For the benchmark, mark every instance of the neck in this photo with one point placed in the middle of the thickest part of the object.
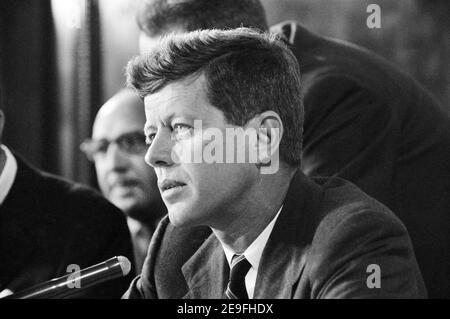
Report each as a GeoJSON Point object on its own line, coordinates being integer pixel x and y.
{"type": "Point", "coordinates": [148, 216]}
{"type": "Point", "coordinates": [251, 217]}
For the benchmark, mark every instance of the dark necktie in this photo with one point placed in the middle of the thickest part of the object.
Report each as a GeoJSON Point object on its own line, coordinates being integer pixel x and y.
{"type": "Point", "coordinates": [236, 284]}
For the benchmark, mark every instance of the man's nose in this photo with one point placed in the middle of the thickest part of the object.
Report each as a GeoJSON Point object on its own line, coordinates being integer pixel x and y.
{"type": "Point", "coordinates": [116, 158]}
{"type": "Point", "coordinates": [160, 151]}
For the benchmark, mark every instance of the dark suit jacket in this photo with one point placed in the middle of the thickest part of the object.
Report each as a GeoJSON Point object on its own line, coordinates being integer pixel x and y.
{"type": "Point", "coordinates": [327, 235]}
{"type": "Point", "coordinates": [371, 124]}
{"type": "Point", "coordinates": [47, 223]}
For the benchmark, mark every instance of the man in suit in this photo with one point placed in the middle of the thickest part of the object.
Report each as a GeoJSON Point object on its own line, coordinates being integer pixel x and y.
{"type": "Point", "coordinates": [117, 148]}
{"type": "Point", "coordinates": [276, 233]}
{"type": "Point", "coordinates": [49, 226]}
{"type": "Point", "coordinates": [365, 121]}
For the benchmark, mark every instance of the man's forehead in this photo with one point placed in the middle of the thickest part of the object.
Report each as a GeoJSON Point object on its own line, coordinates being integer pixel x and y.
{"type": "Point", "coordinates": [117, 119]}
{"type": "Point", "coordinates": [187, 96]}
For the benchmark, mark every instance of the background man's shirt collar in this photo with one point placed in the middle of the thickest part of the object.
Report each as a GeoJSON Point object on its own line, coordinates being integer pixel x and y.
{"type": "Point", "coordinates": [8, 175]}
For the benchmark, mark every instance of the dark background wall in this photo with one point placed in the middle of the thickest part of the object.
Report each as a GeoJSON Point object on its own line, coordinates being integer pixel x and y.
{"type": "Point", "coordinates": [27, 68]}
{"type": "Point", "coordinates": [56, 75]}
{"type": "Point", "coordinates": [51, 77]}
{"type": "Point", "coordinates": [414, 34]}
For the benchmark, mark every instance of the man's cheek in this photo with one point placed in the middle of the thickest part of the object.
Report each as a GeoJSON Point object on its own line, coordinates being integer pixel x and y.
{"type": "Point", "coordinates": [181, 153]}
{"type": "Point", "coordinates": [188, 151]}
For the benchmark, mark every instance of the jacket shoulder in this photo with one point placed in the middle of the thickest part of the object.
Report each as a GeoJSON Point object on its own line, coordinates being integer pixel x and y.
{"type": "Point", "coordinates": [357, 234]}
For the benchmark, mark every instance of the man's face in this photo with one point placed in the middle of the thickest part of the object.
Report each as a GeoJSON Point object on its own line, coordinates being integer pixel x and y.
{"type": "Point", "coordinates": [195, 193]}
{"type": "Point", "coordinates": [124, 177]}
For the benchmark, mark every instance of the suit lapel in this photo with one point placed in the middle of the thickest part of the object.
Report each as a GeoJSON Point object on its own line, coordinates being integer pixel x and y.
{"type": "Point", "coordinates": [284, 256]}
{"type": "Point", "coordinates": [206, 272]}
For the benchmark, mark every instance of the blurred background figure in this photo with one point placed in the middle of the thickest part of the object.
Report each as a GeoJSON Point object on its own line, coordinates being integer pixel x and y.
{"type": "Point", "coordinates": [48, 223]}
{"type": "Point", "coordinates": [117, 148]}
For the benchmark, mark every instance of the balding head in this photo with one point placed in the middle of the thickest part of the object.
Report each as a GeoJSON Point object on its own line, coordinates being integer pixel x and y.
{"type": "Point", "coordinates": [123, 111]}
{"type": "Point", "coordinates": [123, 176]}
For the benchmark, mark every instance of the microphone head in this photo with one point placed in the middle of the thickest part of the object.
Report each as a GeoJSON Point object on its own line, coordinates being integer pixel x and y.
{"type": "Point", "coordinates": [125, 264]}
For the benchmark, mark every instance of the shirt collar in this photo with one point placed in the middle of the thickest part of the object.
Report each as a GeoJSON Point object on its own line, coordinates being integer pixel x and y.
{"type": "Point", "coordinates": [8, 175]}
{"type": "Point", "coordinates": [254, 252]}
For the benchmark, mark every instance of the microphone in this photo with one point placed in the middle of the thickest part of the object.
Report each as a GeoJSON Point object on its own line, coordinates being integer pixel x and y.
{"type": "Point", "coordinates": [75, 282]}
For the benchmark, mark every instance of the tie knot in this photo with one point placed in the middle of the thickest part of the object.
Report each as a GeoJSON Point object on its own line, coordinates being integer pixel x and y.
{"type": "Point", "coordinates": [239, 264]}
{"type": "Point", "coordinates": [236, 285]}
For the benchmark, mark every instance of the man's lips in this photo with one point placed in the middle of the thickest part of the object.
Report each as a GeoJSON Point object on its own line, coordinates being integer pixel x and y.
{"type": "Point", "coordinates": [168, 184]}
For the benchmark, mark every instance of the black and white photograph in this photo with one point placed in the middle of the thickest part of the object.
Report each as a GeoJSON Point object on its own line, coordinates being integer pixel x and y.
{"type": "Point", "coordinates": [210, 152]}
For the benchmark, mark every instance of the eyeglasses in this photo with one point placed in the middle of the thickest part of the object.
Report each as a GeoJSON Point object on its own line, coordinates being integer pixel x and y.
{"type": "Point", "coordinates": [130, 143]}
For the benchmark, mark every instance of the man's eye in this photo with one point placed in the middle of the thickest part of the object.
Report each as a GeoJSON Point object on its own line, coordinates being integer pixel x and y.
{"type": "Point", "coordinates": [149, 139]}
{"type": "Point", "coordinates": [182, 130]}
{"type": "Point", "coordinates": [101, 146]}
{"type": "Point", "coordinates": [127, 141]}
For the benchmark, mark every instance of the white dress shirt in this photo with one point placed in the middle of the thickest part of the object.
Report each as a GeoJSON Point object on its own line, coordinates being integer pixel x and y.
{"type": "Point", "coordinates": [253, 254]}
{"type": "Point", "coordinates": [8, 175]}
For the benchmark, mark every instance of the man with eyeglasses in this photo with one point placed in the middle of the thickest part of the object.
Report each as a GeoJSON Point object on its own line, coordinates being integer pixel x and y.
{"type": "Point", "coordinates": [50, 226]}
{"type": "Point", "coordinates": [117, 149]}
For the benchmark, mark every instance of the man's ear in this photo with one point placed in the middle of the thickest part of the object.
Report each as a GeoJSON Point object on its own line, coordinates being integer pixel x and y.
{"type": "Point", "coordinates": [2, 124]}
{"type": "Point", "coordinates": [270, 133]}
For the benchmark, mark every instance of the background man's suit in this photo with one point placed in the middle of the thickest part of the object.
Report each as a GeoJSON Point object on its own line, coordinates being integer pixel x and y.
{"type": "Point", "coordinates": [47, 223]}
{"type": "Point", "coordinates": [374, 126]}
{"type": "Point", "coordinates": [321, 246]}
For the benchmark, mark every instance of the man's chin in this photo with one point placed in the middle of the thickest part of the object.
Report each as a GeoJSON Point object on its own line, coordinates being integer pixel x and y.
{"type": "Point", "coordinates": [137, 210]}
{"type": "Point", "coordinates": [183, 217]}
{"type": "Point", "coordinates": [126, 204]}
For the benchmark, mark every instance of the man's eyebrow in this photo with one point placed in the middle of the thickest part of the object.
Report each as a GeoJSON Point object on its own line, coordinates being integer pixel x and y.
{"type": "Point", "coordinates": [166, 120]}
{"type": "Point", "coordinates": [147, 127]}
